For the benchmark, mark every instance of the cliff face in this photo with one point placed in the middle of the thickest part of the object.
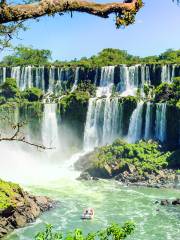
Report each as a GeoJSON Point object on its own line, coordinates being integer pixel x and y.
{"type": "Point", "coordinates": [18, 208]}
{"type": "Point", "coordinates": [53, 78]}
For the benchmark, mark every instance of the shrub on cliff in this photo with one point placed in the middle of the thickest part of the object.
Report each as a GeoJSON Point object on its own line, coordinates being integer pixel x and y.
{"type": "Point", "coordinates": [145, 157]}
{"type": "Point", "coordinates": [87, 86]}
{"type": "Point", "coordinates": [112, 232]}
{"type": "Point", "coordinates": [32, 94]}
{"type": "Point", "coordinates": [8, 191]}
{"type": "Point", "coordinates": [168, 91]}
{"type": "Point", "coordinates": [9, 89]}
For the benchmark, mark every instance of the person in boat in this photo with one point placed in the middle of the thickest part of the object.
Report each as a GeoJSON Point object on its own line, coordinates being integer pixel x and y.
{"type": "Point", "coordinates": [88, 213]}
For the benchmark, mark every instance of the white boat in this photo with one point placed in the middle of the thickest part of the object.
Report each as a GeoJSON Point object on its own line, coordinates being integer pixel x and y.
{"type": "Point", "coordinates": [88, 214]}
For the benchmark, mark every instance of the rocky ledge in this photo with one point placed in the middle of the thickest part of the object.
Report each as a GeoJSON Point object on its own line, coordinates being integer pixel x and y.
{"type": "Point", "coordinates": [166, 202]}
{"type": "Point", "coordinates": [18, 208]}
{"type": "Point", "coordinates": [128, 175]}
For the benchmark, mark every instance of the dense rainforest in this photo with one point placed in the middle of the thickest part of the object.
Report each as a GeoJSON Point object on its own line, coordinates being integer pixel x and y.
{"type": "Point", "coordinates": [23, 56]}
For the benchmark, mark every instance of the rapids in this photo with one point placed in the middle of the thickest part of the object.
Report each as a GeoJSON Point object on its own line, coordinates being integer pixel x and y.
{"type": "Point", "coordinates": [112, 203]}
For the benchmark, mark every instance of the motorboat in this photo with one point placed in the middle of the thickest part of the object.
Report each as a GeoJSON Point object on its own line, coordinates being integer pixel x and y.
{"type": "Point", "coordinates": [88, 214]}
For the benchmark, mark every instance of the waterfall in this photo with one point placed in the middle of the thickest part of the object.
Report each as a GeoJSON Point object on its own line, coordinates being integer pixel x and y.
{"type": "Point", "coordinates": [51, 79]}
{"type": "Point", "coordinates": [16, 74]}
{"type": "Point", "coordinates": [76, 78]}
{"type": "Point", "coordinates": [129, 80]}
{"type": "Point", "coordinates": [166, 74]}
{"type": "Point", "coordinates": [106, 81]}
{"type": "Point", "coordinates": [160, 129]}
{"type": "Point", "coordinates": [103, 122]}
{"type": "Point", "coordinates": [111, 120]}
{"type": "Point", "coordinates": [148, 122]}
{"type": "Point", "coordinates": [96, 77]}
{"type": "Point", "coordinates": [39, 78]}
{"type": "Point", "coordinates": [94, 122]}
{"type": "Point", "coordinates": [50, 126]}
{"type": "Point", "coordinates": [23, 76]}
{"type": "Point", "coordinates": [4, 74]}
{"type": "Point", "coordinates": [135, 126]}
{"type": "Point", "coordinates": [130, 77]}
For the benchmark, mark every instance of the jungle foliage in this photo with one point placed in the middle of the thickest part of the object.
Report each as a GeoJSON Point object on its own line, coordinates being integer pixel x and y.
{"type": "Point", "coordinates": [9, 92]}
{"type": "Point", "coordinates": [29, 56]}
{"type": "Point", "coordinates": [112, 232]}
{"type": "Point", "coordinates": [146, 157]}
{"type": "Point", "coordinates": [168, 92]}
{"type": "Point", "coordinates": [8, 191]}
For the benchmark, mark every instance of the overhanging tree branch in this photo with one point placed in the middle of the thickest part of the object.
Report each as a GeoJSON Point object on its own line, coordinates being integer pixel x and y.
{"type": "Point", "coordinates": [125, 11]}
{"type": "Point", "coordinates": [17, 136]}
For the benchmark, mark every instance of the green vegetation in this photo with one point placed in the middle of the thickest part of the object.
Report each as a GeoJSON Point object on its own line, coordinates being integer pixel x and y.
{"type": "Point", "coordinates": [24, 56]}
{"type": "Point", "coordinates": [145, 157]}
{"type": "Point", "coordinates": [87, 86]}
{"type": "Point", "coordinates": [27, 56]}
{"type": "Point", "coordinates": [112, 232]}
{"type": "Point", "coordinates": [169, 92]}
{"type": "Point", "coordinates": [9, 92]}
{"type": "Point", "coordinates": [9, 89]}
{"type": "Point", "coordinates": [74, 100]}
{"type": "Point", "coordinates": [32, 94]}
{"type": "Point", "coordinates": [8, 191]}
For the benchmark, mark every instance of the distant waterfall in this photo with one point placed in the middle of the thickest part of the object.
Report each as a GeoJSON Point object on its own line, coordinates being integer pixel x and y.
{"type": "Point", "coordinates": [129, 80]}
{"type": "Point", "coordinates": [93, 122]}
{"type": "Point", "coordinates": [24, 76]}
{"type": "Point", "coordinates": [50, 126]}
{"type": "Point", "coordinates": [40, 81]}
{"type": "Point", "coordinates": [135, 126]}
{"type": "Point", "coordinates": [76, 78]}
{"type": "Point", "coordinates": [167, 74]}
{"type": "Point", "coordinates": [148, 122]}
{"type": "Point", "coordinates": [51, 79]}
{"type": "Point", "coordinates": [111, 120]}
{"type": "Point", "coordinates": [103, 123]}
{"type": "Point", "coordinates": [106, 81]}
{"type": "Point", "coordinates": [160, 131]}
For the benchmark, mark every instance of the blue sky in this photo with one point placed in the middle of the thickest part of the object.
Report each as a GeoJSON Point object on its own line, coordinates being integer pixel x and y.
{"type": "Point", "coordinates": [156, 29]}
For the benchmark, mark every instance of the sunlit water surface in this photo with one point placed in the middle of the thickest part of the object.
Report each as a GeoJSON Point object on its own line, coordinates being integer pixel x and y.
{"type": "Point", "coordinates": [112, 203]}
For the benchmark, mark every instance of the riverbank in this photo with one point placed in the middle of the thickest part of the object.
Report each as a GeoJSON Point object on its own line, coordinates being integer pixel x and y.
{"type": "Point", "coordinates": [18, 207]}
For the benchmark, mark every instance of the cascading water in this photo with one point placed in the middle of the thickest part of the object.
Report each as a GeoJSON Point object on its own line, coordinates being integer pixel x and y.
{"type": "Point", "coordinates": [112, 119]}
{"type": "Point", "coordinates": [103, 123]}
{"type": "Point", "coordinates": [94, 120]}
{"type": "Point", "coordinates": [130, 77]}
{"type": "Point", "coordinates": [51, 79]}
{"type": "Point", "coordinates": [106, 81]}
{"type": "Point", "coordinates": [50, 126]}
{"type": "Point", "coordinates": [167, 74]}
{"type": "Point", "coordinates": [128, 83]}
{"type": "Point", "coordinates": [135, 126]}
{"type": "Point", "coordinates": [76, 78]}
{"type": "Point", "coordinates": [160, 130]}
{"type": "Point", "coordinates": [148, 122]}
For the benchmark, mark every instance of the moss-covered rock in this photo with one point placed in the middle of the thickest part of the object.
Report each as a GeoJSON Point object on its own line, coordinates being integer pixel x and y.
{"type": "Point", "coordinates": [141, 161]}
{"type": "Point", "coordinates": [18, 208]}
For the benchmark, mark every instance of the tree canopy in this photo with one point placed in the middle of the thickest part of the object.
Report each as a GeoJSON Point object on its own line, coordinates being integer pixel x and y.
{"type": "Point", "coordinates": [27, 56]}
{"type": "Point", "coordinates": [23, 56]}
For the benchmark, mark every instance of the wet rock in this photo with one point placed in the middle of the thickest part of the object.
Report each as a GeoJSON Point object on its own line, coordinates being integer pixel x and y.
{"type": "Point", "coordinates": [84, 176]}
{"type": "Point", "coordinates": [176, 202]}
{"type": "Point", "coordinates": [26, 209]}
{"type": "Point", "coordinates": [165, 202]}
